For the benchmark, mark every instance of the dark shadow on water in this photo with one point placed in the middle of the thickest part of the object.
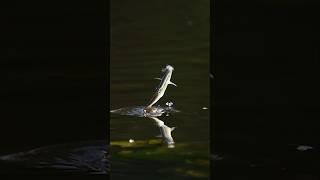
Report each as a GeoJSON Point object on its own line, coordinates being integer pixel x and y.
{"type": "Point", "coordinates": [89, 157]}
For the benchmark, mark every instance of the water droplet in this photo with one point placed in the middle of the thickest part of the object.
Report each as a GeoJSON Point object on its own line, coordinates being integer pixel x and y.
{"type": "Point", "coordinates": [169, 104]}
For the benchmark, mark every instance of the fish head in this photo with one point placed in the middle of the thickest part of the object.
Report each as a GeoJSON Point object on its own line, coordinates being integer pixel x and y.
{"type": "Point", "coordinates": [168, 68]}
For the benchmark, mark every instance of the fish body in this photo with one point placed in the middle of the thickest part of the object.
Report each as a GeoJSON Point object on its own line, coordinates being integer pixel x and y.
{"type": "Point", "coordinates": [160, 90]}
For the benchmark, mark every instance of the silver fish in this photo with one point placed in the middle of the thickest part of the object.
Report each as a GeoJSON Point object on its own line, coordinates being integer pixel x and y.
{"type": "Point", "coordinates": [165, 132]}
{"type": "Point", "coordinates": [165, 81]}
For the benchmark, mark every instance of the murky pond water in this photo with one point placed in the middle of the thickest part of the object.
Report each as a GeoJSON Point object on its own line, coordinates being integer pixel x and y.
{"type": "Point", "coordinates": [144, 38]}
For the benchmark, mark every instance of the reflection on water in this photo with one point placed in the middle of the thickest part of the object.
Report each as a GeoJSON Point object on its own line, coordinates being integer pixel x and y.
{"type": "Point", "coordinates": [166, 132]}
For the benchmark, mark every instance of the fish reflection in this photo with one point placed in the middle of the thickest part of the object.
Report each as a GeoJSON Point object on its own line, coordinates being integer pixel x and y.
{"type": "Point", "coordinates": [166, 132]}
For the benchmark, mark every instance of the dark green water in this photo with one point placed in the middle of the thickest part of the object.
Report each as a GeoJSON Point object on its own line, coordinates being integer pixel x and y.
{"type": "Point", "coordinates": [145, 36]}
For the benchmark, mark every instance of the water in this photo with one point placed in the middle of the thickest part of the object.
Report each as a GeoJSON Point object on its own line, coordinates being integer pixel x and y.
{"type": "Point", "coordinates": [144, 39]}
{"type": "Point", "coordinates": [86, 157]}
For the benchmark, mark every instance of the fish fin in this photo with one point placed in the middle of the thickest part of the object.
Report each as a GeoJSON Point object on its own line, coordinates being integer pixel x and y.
{"type": "Point", "coordinates": [173, 128]}
{"type": "Point", "coordinates": [158, 79]}
{"type": "Point", "coordinates": [172, 83]}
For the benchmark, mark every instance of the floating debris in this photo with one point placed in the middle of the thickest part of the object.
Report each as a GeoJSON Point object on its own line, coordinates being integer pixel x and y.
{"type": "Point", "coordinates": [304, 148]}
{"type": "Point", "coordinates": [204, 108]}
{"type": "Point", "coordinates": [131, 141]}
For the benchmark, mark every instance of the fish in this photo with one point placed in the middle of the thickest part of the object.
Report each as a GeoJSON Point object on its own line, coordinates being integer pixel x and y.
{"type": "Point", "coordinates": [166, 132]}
{"type": "Point", "coordinates": [161, 88]}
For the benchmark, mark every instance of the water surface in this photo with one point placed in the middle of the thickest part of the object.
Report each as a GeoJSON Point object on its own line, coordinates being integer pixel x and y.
{"type": "Point", "coordinates": [144, 39]}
